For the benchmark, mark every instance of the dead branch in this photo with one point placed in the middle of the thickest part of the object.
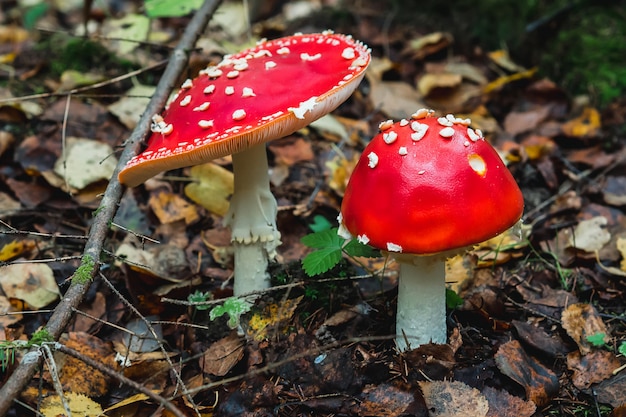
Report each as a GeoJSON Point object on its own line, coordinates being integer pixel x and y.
{"type": "Point", "coordinates": [100, 227]}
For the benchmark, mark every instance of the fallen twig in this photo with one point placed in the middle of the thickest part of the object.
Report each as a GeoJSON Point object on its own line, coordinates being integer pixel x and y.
{"type": "Point", "coordinates": [103, 216]}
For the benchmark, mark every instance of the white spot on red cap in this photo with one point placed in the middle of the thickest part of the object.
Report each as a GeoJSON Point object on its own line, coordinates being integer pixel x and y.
{"type": "Point", "coordinates": [205, 124]}
{"type": "Point", "coordinates": [392, 247]}
{"type": "Point", "coordinates": [232, 74]}
{"type": "Point", "coordinates": [185, 101]}
{"type": "Point", "coordinates": [385, 125]}
{"type": "Point", "coordinates": [472, 134]}
{"type": "Point", "coordinates": [403, 151]}
{"type": "Point", "coordinates": [444, 121]}
{"type": "Point", "coordinates": [348, 53]}
{"type": "Point", "coordinates": [419, 130]}
{"type": "Point", "coordinates": [446, 132]}
{"type": "Point", "coordinates": [421, 113]}
{"type": "Point", "coordinates": [283, 51]}
{"type": "Point", "coordinates": [187, 84]}
{"type": "Point", "coordinates": [247, 92]}
{"type": "Point", "coordinates": [270, 65]}
{"type": "Point", "coordinates": [229, 90]}
{"type": "Point", "coordinates": [209, 89]}
{"type": "Point", "coordinates": [390, 137]}
{"type": "Point", "coordinates": [304, 106]}
{"type": "Point", "coordinates": [372, 159]}
{"type": "Point", "coordinates": [239, 114]}
{"type": "Point", "coordinates": [203, 106]}
{"type": "Point", "coordinates": [307, 57]}
{"type": "Point", "coordinates": [363, 239]}
{"type": "Point", "coordinates": [404, 122]}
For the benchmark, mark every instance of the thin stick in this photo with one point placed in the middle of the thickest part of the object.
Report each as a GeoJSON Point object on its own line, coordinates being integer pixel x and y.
{"type": "Point", "coordinates": [63, 313]}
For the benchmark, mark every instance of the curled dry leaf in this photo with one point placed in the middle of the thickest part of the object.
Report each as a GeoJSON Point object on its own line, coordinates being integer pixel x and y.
{"type": "Point", "coordinates": [581, 321]}
{"type": "Point", "coordinates": [539, 382]}
{"type": "Point", "coordinates": [503, 404]}
{"type": "Point", "coordinates": [591, 368]}
{"type": "Point", "coordinates": [170, 208]}
{"type": "Point", "coordinates": [79, 405]}
{"type": "Point", "coordinates": [222, 355]}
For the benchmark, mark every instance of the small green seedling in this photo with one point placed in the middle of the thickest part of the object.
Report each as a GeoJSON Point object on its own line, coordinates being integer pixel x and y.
{"type": "Point", "coordinates": [329, 247]}
{"type": "Point", "coordinates": [199, 297]}
{"type": "Point", "coordinates": [234, 307]}
{"type": "Point", "coordinates": [597, 339]}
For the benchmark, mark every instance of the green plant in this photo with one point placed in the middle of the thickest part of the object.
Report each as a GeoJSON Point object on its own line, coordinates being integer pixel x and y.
{"type": "Point", "coordinates": [329, 247]}
{"type": "Point", "coordinates": [199, 297]}
{"type": "Point", "coordinates": [234, 307]}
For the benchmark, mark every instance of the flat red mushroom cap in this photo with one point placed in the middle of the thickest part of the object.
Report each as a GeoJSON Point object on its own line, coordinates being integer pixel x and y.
{"type": "Point", "coordinates": [428, 185]}
{"type": "Point", "coordinates": [257, 95]}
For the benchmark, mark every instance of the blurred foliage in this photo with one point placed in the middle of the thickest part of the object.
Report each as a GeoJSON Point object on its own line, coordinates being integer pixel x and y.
{"type": "Point", "coordinates": [580, 44]}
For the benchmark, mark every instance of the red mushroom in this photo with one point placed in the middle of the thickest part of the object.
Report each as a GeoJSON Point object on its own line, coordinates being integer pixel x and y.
{"type": "Point", "coordinates": [252, 97]}
{"type": "Point", "coordinates": [425, 187]}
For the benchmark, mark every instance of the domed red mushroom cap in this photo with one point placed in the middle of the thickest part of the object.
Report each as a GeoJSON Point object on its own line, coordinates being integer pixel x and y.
{"type": "Point", "coordinates": [428, 185]}
{"type": "Point", "coordinates": [257, 95]}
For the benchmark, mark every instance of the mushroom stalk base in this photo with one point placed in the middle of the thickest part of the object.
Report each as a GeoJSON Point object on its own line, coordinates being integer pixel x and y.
{"type": "Point", "coordinates": [421, 311]}
{"type": "Point", "coordinates": [252, 219]}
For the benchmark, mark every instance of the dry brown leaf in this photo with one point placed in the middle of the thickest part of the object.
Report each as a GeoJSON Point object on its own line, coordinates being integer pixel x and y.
{"type": "Point", "coordinates": [431, 82]}
{"type": "Point", "coordinates": [591, 368]}
{"type": "Point", "coordinates": [396, 99]}
{"type": "Point", "coordinates": [540, 383]}
{"type": "Point", "coordinates": [340, 169]}
{"type": "Point", "coordinates": [292, 150]}
{"type": "Point", "coordinates": [503, 404]}
{"type": "Point", "coordinates": [222, 355]}
{"type": "Point", "coordinates": [453, 399]}
{"type": "Point", "coordinates": [581, 321]}
{"type": "Point", "coordinates": [386, 400]}
{"type": "Point", "coordinates": [74, 374]}
{"type": "Point", "coordinates": [423, 46]}
{"type": "Point", "coordinates": [170, 207]}
{"type": "Point", "coordinates": [517, 122]}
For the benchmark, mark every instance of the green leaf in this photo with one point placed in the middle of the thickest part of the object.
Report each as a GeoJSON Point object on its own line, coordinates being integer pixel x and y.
{"type": "Point", "coordinates": [356, 248]}
{"type": "Point", "coordinates": [199, 297]}
{"type": "Point", "coordinates": [171, 8]}
{"type": "Point", "coordinates": [326, 239]}
{"type": "Point", "coordinates": [453, 300]}
{"type": "Point", "coordinates": [234, 307]}
{"type": "Point", "coordinates": [321, 260]}
{"type": "Point", "coordinates": [320, 223]}
{"type": "Point", "coordinates": [597, 339]}
{"type": "Point", "coordinates": [622, 348]}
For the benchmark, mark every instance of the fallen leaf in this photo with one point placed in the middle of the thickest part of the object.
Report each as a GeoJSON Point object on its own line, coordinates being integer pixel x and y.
{"type": "Point", "coordinates": [222, 355]}
{"type": "Point", "coordinates": [428, 83]}
{"type": "Point", "coordinates": [170, 207]}
{"type": "Point", "coordinates": [614, 190]}
{"type": "Point", "coordinates": [621, 247]}
{"type": "Point", "coordinates": [272, 316]}
{"type": "Point", "coordinates": [8, 205]}
{"type": "Point", "coordinates": [540, 383]}
{"type": "Point", "coordinates": [611, 391]}
{"type": "Point", "coordinates": [386, 400]}
{"type": "Point", "coordinates": [8, 316]}
{"type": "Point", "coordinates": [396, 99]}
{"type": "Point", "coordinates": [591, 368]}
{"type": "Point", "coordinates": [453, 399]}
{"type": "Point", "coordinates": [586, 125]}
{"type": "Point", "coordinates": [85, 162]}
{"type": "Point", "coordinates": [289, 151]}
{"type": "Point", "coordinates": [423, 46]}
{"type": "Point", "coordinates": [74, 374]}
{"type": "Point", "coordinates": [79, 405]}
{"type": "Point", "coordinates": [32, 283]}
{"type": "Point", "coordinates": [130, 107]}
{"type": "Point", "coordinates": [517, 122]}
{"type": "Point", "coordinates": [16, 248]}
{"type": "Point", "coordinates": [503, 404]}
{"type": "Point", "coordinates": [590, 235]}
{"type": "Point", "coordinates": [581, 321]}
{"type": "Point", "coordinates": [502, 58]}
{"type": "Point", "coordinates": [125, 34]}
{"type": "Point", "coordinates": [212, 187]}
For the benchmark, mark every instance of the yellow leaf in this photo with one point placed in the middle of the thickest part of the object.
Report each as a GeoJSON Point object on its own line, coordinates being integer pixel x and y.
{"type": "Point", "coordinates": [170, 208]}
{"type": "Point", "coordinates": [212, 188]}
{"type": "Point", "coordinates": [272, 315]}
{"type": "Point", "coordinates": [15, 248]}
{"type": "Point", "coordinates": [79, 405]}
{"type": "Point", "coordinates": [502, 81]}
{"type": "Point", "coordinates": [585, 125]}
{"type": "Point", "coordinates": [621, 247]}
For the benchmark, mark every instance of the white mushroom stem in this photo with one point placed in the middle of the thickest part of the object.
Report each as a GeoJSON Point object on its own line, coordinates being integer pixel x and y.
{"type": "Point", "coordinates": [252, 219]}
{"type": "Point", "coordinates": [421, 311]}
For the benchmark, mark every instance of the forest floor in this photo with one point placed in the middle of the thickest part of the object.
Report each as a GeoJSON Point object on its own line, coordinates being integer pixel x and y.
{"type": "Point", "coordinates": [538, 326]}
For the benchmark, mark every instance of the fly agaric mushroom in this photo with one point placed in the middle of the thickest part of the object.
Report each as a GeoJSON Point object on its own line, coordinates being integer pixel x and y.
{"type": "Point", "coordinates": [234, 107]}
{"type": "Point", "coordinates": [423, 189]}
